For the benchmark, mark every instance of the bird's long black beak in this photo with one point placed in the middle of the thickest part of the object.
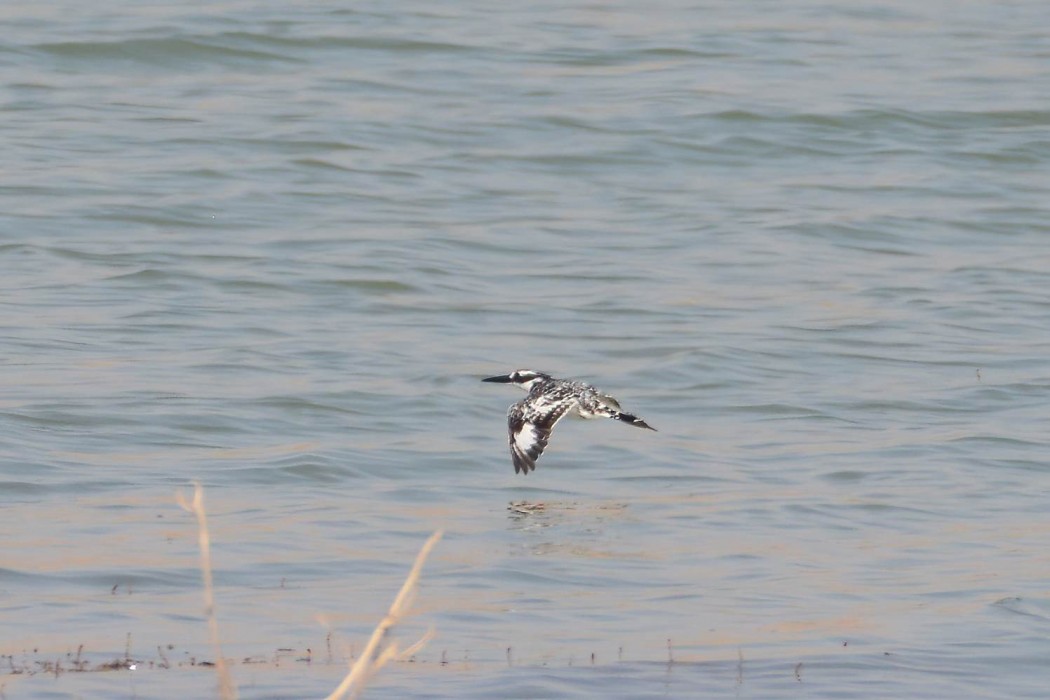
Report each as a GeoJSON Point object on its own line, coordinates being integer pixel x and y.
{"type": "Point", "coordinates": [502, 379]}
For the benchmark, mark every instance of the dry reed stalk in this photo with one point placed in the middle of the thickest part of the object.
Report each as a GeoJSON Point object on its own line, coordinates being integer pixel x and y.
{"type": "Point", "coordinates": [227, 690]}
{"type": "Point", "coordinates": [371, 659]}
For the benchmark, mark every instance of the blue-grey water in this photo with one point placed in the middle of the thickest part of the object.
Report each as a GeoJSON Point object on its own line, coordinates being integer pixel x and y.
{"type": "Point", "coordinates": [273, 247]}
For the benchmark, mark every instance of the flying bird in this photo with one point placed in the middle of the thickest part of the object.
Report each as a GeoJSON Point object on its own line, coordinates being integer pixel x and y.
{"type": "Point", "coordinates": [531, 420]}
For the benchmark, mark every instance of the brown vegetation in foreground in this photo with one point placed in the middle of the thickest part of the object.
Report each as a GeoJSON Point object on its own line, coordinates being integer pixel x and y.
{"type": "Point", "coordinates": [378, 651]}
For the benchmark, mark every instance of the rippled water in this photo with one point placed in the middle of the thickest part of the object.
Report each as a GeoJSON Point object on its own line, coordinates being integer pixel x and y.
{"type": "Point", "coordinates": [273, 247]}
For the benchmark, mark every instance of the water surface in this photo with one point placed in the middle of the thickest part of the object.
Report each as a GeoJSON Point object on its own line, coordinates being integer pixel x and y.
{"type": "Point", "coordinates": [273, 248]}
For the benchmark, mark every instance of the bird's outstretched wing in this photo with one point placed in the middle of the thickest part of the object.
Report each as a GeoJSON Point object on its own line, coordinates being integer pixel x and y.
{"type": "Point", "coordinates": [530, 430]}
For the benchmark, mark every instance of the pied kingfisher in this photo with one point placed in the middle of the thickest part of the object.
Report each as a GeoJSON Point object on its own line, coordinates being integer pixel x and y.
{"type": "Point", "coordinates": [532, 419]}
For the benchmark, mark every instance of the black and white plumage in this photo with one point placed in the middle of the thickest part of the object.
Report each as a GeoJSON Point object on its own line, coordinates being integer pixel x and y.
{"type": "Point", "coordinates": [531, 420]}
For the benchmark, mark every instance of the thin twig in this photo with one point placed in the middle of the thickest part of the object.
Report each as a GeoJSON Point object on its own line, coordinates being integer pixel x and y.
{"type": "Point", "coordinates": [227, 690]}
{"type": "Point", "coordinates": [369, 662]}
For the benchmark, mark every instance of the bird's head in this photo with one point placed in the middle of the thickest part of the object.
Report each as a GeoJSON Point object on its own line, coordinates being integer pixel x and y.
{"type": "Point", "coordinates": [525, 378]}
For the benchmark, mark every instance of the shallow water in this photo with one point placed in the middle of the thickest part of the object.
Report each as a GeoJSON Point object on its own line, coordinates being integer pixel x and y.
{"type": "Point", "coordinates": [273, 249]}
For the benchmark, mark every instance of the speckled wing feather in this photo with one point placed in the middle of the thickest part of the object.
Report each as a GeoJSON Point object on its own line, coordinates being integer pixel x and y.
{"type": "Point", "coordinates": [530, 423]}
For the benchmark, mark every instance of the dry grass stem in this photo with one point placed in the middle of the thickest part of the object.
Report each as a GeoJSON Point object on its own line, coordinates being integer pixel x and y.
{"type": "Point", "coordinates": [371, 659]}
{"type": "Point", "coordinates": [227, 690]}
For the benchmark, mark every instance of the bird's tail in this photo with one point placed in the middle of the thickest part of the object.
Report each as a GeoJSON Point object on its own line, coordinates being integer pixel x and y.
{"type": "Point", "coordinates": [633, 420]}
